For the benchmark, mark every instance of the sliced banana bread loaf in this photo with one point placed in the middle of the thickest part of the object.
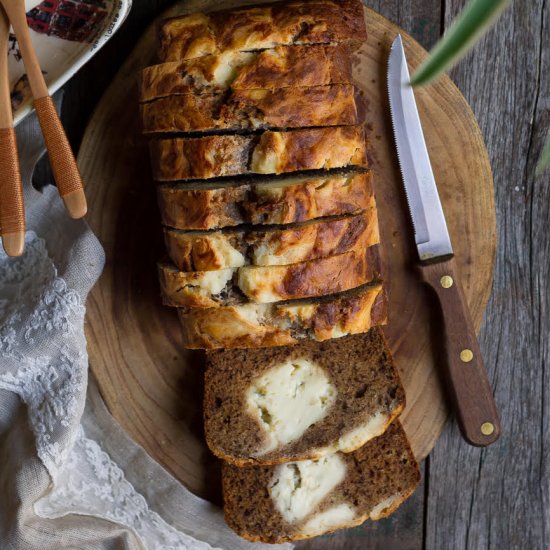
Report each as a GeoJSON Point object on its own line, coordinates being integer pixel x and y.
{"type": "Point", "coordinates": [267, 284]}
{"type": "Point", "coordinates": [250, 28]}
{"type": "Point", "coordinates": [209, 205]}
{"type": "Point", "coordinates": [282, 404]}
{"type": "Point", "coordinates": [267, 153]}
{"type": "Point", "coordinates": [281, 67]}
{"type": "Point", "coordinates": [304, 499]}
{"type": "Point", "coordinates": [265, 325]}
{"type": "Point", "coordinates": [275, 245]}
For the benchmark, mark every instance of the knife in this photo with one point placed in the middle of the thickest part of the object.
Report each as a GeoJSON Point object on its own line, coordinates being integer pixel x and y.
{"type": "Point", "coordinates": [471, 391]}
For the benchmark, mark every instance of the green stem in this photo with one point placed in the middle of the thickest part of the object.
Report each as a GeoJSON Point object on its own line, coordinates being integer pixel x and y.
{"type": "Point", "coordinates": [474, 21]}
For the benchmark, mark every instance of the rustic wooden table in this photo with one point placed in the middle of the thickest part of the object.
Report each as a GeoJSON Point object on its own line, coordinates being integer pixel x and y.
{"type": "Point", "coordinates": [470, 498]}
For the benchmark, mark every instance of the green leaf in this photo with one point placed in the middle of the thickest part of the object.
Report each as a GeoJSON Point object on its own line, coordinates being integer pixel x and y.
{"type": "Point", "coordinates": [474, 21]}
{"type": "Point", "coordinates": [544, 160]}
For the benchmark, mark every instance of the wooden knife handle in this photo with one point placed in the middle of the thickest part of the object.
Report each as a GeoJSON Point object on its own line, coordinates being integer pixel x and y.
{"type": "Point", "coordinates": [64, 167]}
{"type": "Point", "coordinates": [475, 406]}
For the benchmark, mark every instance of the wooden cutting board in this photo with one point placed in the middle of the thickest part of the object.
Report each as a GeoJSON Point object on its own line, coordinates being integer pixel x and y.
{"type": "Point", "coordinates": [151, 385]}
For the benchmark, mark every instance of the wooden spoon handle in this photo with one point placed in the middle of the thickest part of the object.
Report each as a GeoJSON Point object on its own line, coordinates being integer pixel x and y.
{"type": "Point", "coordinates": [63, 163]}
{"type": "Point", "coordinates": [474, 403]}
{"type": "Point", "coordinates": [12, 209]}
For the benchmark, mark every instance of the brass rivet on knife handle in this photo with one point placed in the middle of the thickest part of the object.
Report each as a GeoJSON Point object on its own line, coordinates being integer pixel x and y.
{"type": "Point", "coordinates": [446, 281]}
{"type": "Point", "coordinates": [487, 428]}
{"type": "Point", "coordinates": [471, 391]}
{"type": "Point", "coordinates": [63, 163]}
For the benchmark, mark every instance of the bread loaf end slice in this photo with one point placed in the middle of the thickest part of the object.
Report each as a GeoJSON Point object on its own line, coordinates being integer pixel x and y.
{"type": "Point", "coordinates": [250, 28]}
{"type": "Point", "coordinates": [304, 499]}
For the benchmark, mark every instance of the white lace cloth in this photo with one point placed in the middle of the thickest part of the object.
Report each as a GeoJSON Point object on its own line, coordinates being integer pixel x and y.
{"type": "Point", "coordinates": [69, 476]}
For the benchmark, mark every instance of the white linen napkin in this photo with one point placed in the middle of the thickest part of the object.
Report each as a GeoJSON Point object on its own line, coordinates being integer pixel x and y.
{"type": "Point", "coordinates": [69, 475]}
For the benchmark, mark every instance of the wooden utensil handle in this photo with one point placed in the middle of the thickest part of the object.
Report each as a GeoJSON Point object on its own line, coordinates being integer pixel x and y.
{"type": "Point", "coordinates": [63, 163]}
{"type": "Point", "coordinates": [474, 403]}
{"type": "Point", "coordinates": [12, 210]}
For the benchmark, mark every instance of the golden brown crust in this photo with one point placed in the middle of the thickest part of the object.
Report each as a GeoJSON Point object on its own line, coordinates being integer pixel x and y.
{"type": "Point", "coordinates": [268, 284]}
{"type": "Point", "coordinates": [282, 67]}
{"type": "Point", "coordinates": [262, 27]}
{"type": "Point", "coordinates": [266, 325]}
{"type": "Point", "coordinates": [270, 153]}
{"type": "Point", "coordinates": [380, 476]}
{"type": "Point", "coordinates": [290, 201]}
{"type": "Point", "coordinates": [297, 66]}
{"type": "Point", "coordinates": [206, 250]}
{"type": "Point", "coordinates": [251, 110]}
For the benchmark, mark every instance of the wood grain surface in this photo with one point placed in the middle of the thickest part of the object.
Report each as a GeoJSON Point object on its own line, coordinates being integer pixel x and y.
{"type": "Point", "coordinates": [499, 497]}
{"type": "Point", "coordinates": [496, 498]}
{"type": "Point", "coordinates": [150, 384]}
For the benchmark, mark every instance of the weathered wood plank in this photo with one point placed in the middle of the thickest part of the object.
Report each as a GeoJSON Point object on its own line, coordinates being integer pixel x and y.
{"type": "Point", "coordinates": [422, 20]}
{"type": "Point", "coordinates": [500, 497]}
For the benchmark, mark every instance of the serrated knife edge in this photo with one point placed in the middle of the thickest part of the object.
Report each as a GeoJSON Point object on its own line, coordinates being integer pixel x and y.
{"type": "Point", "coordinates": [431, 233]}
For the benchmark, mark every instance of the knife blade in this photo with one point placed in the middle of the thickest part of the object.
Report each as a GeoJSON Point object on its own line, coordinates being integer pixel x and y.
{"type": "Point", "coordinates": [471, 391]}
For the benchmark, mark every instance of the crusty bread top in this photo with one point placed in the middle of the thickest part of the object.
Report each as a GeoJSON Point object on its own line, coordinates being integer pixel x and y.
{"type": "Point", "coordinates": [356, 371]}
{"type": "Point", "coordinates": [265, 325]}
{"type": "Point", "coordinates": [282, 67]}
{"type": "Point", "coordinates": [230, 248]}
{"type": "Point", "coordinates": [300, 107]}
{"type": "Point", "coordinates": [268, 284]}
{"type": "Point", "coordinates": [378, 478]}
{"type": "Point", "coordinates": [281, 201]}
{"type": "Point", "coordinates": [268, 153]}
{"type": "Point", "coordinates": [262, 27]}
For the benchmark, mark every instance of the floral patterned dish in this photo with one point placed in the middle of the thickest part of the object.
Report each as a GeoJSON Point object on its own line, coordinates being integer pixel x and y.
{"type": "Point", "coordinates": [66, 34]}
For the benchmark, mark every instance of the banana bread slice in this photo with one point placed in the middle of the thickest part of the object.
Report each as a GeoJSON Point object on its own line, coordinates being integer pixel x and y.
{"type": "Point", "coordinates": [268, 284]}
{"type": "Point", "coordinates": [304, 499]}
{"type": "Point", "coordinates": [251, 110]}
{"type": "Point", "coordinates": [266, 325]}
{"type": "Point", "coordinates": [267, 153]}
{"type": "Point", "coordinates": [281, 67]}
{"type": "Point", "coordinates": [284, 200]}
{"type": "Point", "coordinates": [250, 28]}
{"type": "Point", "coordinates": [267, 246]}
{"type": "Point", "coordinates": [289, 403]}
